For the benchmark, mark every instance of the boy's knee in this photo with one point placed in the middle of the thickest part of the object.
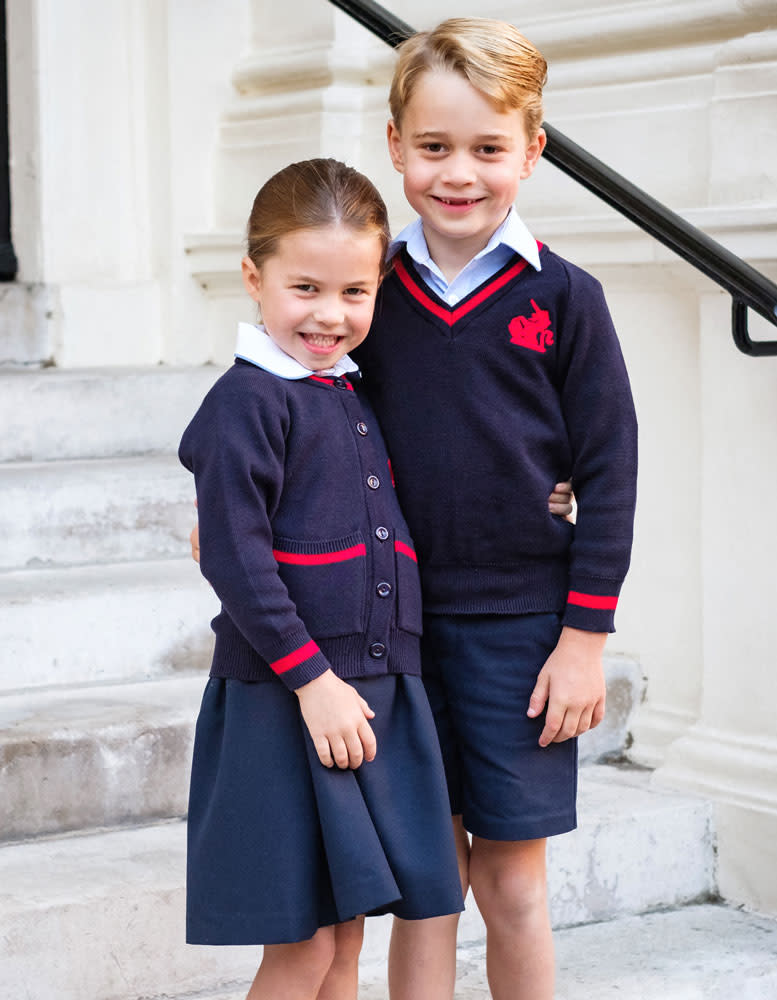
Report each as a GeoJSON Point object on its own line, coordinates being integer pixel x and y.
{"type": "Point", "coordinates": [508, 886]}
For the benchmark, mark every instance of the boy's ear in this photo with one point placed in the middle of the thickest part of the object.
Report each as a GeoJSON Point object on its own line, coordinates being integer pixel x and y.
{"type": "Point", "coordinates": [252, 278]}
{"type": "Point", "coordinates": [533, 154]}
{"type": "Point", "coordinates": [395, 146]}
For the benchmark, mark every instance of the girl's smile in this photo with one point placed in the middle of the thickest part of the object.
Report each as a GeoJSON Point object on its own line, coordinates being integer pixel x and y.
{"type": "Point", "coordinates": [317, 292]}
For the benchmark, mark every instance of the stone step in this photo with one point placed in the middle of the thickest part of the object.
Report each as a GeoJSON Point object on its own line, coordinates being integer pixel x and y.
{"type": "Point", "coordinates": [95, 511]}
{"type": "Point", "coordinates": [97, 413]}
{"type": "Point", "coordinates": [707, 951]}
{"type": "Point", "coordinates": [81, 758]}
{"type": "Point", "coordinates": [100, 916]}
{"type": "Point", "coordinates": [92, 624]}
{"type": "Point", "coordinates": [74, 758]}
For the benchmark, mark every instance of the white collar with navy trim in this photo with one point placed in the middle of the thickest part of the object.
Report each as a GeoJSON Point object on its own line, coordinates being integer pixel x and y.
{"type": "Point", "coordinates": [513, 233]}
{"type": "Point", "coordinates": [255, 345]}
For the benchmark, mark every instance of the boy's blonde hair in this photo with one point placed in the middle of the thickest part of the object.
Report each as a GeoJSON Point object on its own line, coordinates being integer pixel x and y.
{"type": "Point", "coordinates": [493, 56]}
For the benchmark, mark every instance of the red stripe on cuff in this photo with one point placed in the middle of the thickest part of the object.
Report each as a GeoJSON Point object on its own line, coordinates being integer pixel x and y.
{"type": "Point", "coordinates": [592, 601]}
{"type": "Point", "coordinates": [292, 659]}
{"type": "Point", "coordinates": [320, 558]}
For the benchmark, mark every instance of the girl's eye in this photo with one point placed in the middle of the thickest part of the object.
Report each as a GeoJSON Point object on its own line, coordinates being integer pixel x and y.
{"type": "Point", "coordinates": [355, 291]}
{"type": "Point", "coordinates": [305, 288]}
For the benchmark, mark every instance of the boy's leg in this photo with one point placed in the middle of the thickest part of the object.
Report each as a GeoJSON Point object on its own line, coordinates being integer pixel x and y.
{"type": "Point", "coordinates": [422, 954]}
{"type": "Point", "coordinates": [342, 980]}
{"type": "Point", "coordinates": [294, 971]}
{"type": "Point", "coordinates": [509, 882]}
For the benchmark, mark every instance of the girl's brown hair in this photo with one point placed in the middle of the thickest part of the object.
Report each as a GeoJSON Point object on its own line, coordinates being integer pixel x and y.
{"type": "Point", "coordinates": [493, 56]}
{"type": "Point", "coordinates": [309, 195]}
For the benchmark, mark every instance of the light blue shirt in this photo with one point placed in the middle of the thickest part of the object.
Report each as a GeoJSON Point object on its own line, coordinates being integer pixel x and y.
{"type": "Point", "coordinates": [510, 238]}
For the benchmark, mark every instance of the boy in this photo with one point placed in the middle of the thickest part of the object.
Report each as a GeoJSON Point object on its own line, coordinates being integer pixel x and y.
{"type": "Point", "coordinates": [495, 371]}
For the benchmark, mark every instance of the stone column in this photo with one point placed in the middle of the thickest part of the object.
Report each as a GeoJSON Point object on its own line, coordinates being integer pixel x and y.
{"type": "Point", "coordinates": [730, 754]}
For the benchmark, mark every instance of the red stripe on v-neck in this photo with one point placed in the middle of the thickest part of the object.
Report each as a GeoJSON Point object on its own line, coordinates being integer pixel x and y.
{"type": "Point", "coordinates": [451, 316]}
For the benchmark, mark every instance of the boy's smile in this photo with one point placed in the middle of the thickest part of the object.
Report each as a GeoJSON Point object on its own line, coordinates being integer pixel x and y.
{"type": "Point", "coordinates": [317, 292]}
{"type": "Point", "coordinates": [462, 162]}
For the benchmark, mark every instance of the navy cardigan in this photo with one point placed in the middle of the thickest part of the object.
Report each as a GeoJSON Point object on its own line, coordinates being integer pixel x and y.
{"type": "Point", "coordinates": [301, 535]}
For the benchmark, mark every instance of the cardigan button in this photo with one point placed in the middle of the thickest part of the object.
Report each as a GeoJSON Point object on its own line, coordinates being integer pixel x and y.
{"type": "Point", "coordinates": [377, 650]}
{"type": "Point", "coordinates": [381, 533]}
{"type": "Point", "coordinates": [373, 482]}
{"type": "Point", "coordinates": [361, 427]}
{"type": "Point", "coordinates": [383, 588]}
{"type": "Point", "coordinates": [340, 383]}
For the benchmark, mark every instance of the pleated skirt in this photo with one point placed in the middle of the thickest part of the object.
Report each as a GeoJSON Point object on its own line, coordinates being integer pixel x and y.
{"type": "Point", "coordinates": [279, 845]}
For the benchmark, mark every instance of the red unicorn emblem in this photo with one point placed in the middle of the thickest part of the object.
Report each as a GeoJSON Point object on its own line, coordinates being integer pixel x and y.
{"type": "Point", "coordinates": [532, 331]}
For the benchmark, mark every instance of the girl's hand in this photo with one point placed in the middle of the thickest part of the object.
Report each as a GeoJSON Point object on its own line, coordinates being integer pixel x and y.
{"type": "Point", "coordinates": [562, 500]}
{"type": "Point", "coordinates": [336, 716]}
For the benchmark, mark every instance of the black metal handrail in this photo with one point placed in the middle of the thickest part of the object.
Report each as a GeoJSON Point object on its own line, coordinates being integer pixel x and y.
{"type": "Point", "coordinates": [749, 289]}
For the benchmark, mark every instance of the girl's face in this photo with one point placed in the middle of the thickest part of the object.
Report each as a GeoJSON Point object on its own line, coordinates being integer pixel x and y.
{"type": "Point", "coordinates": [317, 292]}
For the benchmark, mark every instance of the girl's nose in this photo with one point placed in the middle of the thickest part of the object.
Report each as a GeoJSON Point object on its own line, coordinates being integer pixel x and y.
{"type": "Point", "coordinates": [329, 314]}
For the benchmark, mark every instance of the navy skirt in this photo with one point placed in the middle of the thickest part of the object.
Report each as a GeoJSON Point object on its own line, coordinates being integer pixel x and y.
{"type": "Point", "coordinates": [279, 845]}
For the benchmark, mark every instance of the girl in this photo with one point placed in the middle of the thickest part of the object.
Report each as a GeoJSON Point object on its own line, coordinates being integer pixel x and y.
{"type": "Point", "coordinates": [317, 791]}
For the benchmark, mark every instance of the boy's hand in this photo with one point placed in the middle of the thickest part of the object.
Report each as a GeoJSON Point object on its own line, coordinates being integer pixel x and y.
{"type": "Point", "coordinates": [561, 500]}
{"type": "Point", "coordinates": [336, 716]}
{"type": "Point", "coordinates": [194, 539]}
{"type": "Point", "coordinates": [572, 685]}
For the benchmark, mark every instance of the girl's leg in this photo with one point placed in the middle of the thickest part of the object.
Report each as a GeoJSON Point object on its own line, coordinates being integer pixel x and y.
{"type": "Point", "coordinates": [294, 971]}
{"type": "Point", "coordinates": [422, 954]}
{"type": "Point", "coordinates": [342, 980]}
{"type": "Point", "coordinates": [509, 882]}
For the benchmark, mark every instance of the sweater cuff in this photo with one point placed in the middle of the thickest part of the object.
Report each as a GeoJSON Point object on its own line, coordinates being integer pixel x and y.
{"type": "Point", "coordinates": [591, 605]}
{"type": "Point", "coordinates": [300, 666]}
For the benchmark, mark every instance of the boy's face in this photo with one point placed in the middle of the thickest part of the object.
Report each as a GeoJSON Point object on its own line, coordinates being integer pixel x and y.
{"type": "Point", "coordinates": [462, 162]}
{"type": "Point", "coordinates": [317, 292]}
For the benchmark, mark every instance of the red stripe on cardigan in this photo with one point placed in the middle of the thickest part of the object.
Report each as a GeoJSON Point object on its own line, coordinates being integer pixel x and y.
{"type": "Point", "coordinates": [405, 550]}
{"type": "Point", "coordinates": [293, 659]}
{"type": "Point", "coordinates": [320, 558]}
{"type": "Point", "coordinates": [596, 601]}
{"type": "Point", "coordinates": [451, 316]}
{"type": "Point", "coordinates": [329, 381]}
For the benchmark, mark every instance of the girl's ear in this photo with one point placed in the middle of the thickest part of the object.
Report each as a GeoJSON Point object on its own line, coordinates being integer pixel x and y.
{"type": "Point", "coordinates": [533, 154]}
{"type": "Point", "coordinates": [252, 278]}
{"type": "Point", "coordinates": [395, 146]}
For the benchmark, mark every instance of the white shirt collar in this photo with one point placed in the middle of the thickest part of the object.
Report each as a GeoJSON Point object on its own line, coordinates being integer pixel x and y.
{"type": "Point", "coordinates": [255, 345]}
{"type": "Point", "coordinates": [513, 233]}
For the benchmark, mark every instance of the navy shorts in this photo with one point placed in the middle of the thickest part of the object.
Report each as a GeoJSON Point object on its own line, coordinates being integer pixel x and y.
{"type": "Point", "coordinates": [279, 845]}
{"type": "Point", "coordinates": [479, 672]}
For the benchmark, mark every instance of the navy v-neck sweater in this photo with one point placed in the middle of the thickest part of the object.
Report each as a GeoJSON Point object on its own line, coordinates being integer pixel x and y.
{"type": "Point", "coordinates": [485, 406]}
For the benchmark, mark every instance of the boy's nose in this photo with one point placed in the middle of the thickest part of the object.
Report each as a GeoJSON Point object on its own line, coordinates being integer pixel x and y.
{"type": "Point", "coordinates": [458, 169]}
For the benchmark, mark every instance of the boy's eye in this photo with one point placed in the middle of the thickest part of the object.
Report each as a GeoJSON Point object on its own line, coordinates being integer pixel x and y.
{"type": "Point", "coordinates": [433, 147]}
{"type": "Point", "coordinates": [490, 150]}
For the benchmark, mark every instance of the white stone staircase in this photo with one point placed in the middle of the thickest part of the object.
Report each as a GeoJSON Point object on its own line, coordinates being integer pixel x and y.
{"type": "Point", "coordinates": [104, 645]}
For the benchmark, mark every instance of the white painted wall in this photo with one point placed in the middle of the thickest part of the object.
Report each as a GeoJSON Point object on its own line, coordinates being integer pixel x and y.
{"type": "Point", "coordinates": [114, 106]}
